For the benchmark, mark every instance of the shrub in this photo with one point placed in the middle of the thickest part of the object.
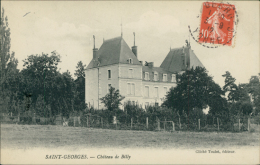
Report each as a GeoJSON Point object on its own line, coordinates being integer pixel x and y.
{"type": "Point", "coordinates": [71, 122]}
{"type": "Point", "coordinates": [252, 130]}
{"type": "Point", "coordinates": [25, 120]}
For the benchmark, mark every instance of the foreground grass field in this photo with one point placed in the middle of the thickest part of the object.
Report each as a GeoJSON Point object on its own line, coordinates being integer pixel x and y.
{"type": "Point", "coordinates": [48, 136]}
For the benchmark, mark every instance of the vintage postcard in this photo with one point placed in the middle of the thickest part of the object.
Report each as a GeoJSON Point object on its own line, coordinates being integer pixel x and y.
{"type": "Point", "coordinates": [127, 82]}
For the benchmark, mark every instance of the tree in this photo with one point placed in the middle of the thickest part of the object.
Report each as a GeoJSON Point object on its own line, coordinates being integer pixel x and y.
{"type": "Point", "coordinates": [41, 78]}
{"type": "Point", "coordinates": [38, 75]}
{"type": "Point", "coordinates": [8, 68]}
{"type": "Point", "coordinates": [65, 94]}
{"type": "Point", "coordinates": [79, 99]}
{"type": "Point", "coordinates": [230, 87]}
{"type": "Point", "coordinates": [133, 111]}
{"type": "Point", "coordinates": [195, 90]}
{"type": "Point", "coordinates": [254, 91]}
{"type": "Point", "coordinates": [80, 70]}
{"type": "Point", "coordinates": [41, 108]}
{"type": "Point", "coordinates": [238, 95]}
{"type": "Point", "coordinates": [112, 100]}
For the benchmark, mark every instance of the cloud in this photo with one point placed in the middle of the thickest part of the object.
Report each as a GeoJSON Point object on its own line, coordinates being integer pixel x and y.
{"type": "Point", "coordinates": [50, 28]}
{"type": "Point", "coordinates": [72, 41]}
{"type": "Point", "coordinates": [154, 22]}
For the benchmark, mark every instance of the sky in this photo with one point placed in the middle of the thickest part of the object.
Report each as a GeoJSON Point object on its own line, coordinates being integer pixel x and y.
{"type": "Point", "coordinates": [68, 27]}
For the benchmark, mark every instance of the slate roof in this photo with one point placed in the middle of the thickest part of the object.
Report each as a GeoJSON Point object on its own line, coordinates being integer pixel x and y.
{"type": "Point", "coordinates": [113, 51]}
{"type": "Point", "coordinates": [173, 61]}
{"type": "Point", "coordinates": [194, 60]}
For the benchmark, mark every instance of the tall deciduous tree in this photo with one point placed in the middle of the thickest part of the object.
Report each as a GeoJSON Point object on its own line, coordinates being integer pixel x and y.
{"type": "Point", "coordinates": [195, 90]}
{"type": "Point", "coordinates": [65, 94]}
{"type": "Point", "coordinates": [254, 91]}
{"type": "Point", "coordinates": [79, 100]}
{"type": "Point", "coordinates": [38, 75]}
{"type": "Point", "coordinates": [238, 96]}
{"type": "Point", "coordinates": [80, 70]}
{"type": "Point", "coordinates": [8, 68]}
{"type": "Point", "coordinates": [41, 78]}
{"type": "Point", "coordinates": [230, 87]}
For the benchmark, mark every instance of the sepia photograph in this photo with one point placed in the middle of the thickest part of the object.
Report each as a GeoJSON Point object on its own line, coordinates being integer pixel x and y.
{"type": "Point", "coordinates": [130, 82]}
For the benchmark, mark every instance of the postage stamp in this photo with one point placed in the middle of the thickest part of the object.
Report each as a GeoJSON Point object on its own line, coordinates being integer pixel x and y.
{"type": "Point", "coordinates": [217, 23]}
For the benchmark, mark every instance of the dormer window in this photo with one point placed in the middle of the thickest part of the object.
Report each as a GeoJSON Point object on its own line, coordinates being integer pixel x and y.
{"type": "Point", "coordinates": [146, 76]}
{"type": "Point", "coordinates": [130, 61]}
{"type": "Point", "coordinates": [173, 78]}
{"type": "Point", "coordinates": [155, 76]}
{"type": "Point", "coordinates": [164, 77]}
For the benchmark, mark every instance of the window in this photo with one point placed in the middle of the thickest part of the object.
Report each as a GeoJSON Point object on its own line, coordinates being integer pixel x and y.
{"type": "Point", "coordinates": [164, 77]}
{"type": "Point", "coordinates": [146, 91]}
{"type": "Point", "coordinates": [156, 92]}
{"type": "Point", "coordinates": [108, 87]}
{"type": "Point", "coordinates": [146, 76]}
{"type": "Point", "coordinates": [109, 74]}
{"type": "Point", "coordinates": [173, 78]}
{"type": "Point", "coordinates": [133, 89]}
{"type": "Point", "coordinates": [156, 104]}
{"type": "Point", "coordinates": [130, 61]}
{"type": "Point", "coordinates": [165, 90]}
{"type": "Point", "coordinates": [130, 73]}
{"type": "Point", "coordinates": [155, 76]}
{"type": "Point", "coordinates": [130, 88]}
{"type": "Point", "coordinates": [146, 104]}
{"type": "Point", "coordinates": [133, 102]}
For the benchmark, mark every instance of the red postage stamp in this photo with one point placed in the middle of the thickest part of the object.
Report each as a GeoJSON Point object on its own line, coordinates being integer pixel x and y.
{"type": "Point", "coordinates": [217, 23]}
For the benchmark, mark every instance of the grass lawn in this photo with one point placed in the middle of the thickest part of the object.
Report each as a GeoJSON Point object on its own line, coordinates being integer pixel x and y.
{"type": "Point", "coordinates": [48, 136]}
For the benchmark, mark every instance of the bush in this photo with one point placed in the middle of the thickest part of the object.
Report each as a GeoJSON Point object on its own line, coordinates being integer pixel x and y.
{"type": "Point", "coordinates": [252, 130]}
{"type": "Point", "coordinates": [37, 120]}
{"type": "Point", "coordinates": [71, 122]}
{"type": "Point", "coordinates": [25, 120]}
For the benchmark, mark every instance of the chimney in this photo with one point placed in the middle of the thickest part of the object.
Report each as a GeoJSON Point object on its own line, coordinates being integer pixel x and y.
{"type": "Point", "coordinates": [150, 64]}
{"type": "Point", "coordinates": [95, 50]}
{"type": "Point", "coordinates": [134, 48]}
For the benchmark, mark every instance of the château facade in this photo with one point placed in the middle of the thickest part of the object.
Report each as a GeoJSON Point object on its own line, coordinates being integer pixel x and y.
{"type": "Point", "coordinates": [116, 65]}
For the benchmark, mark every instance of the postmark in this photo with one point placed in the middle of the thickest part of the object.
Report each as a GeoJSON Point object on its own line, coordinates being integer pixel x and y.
{"type": "Point", "coordinates": [217, 25]}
